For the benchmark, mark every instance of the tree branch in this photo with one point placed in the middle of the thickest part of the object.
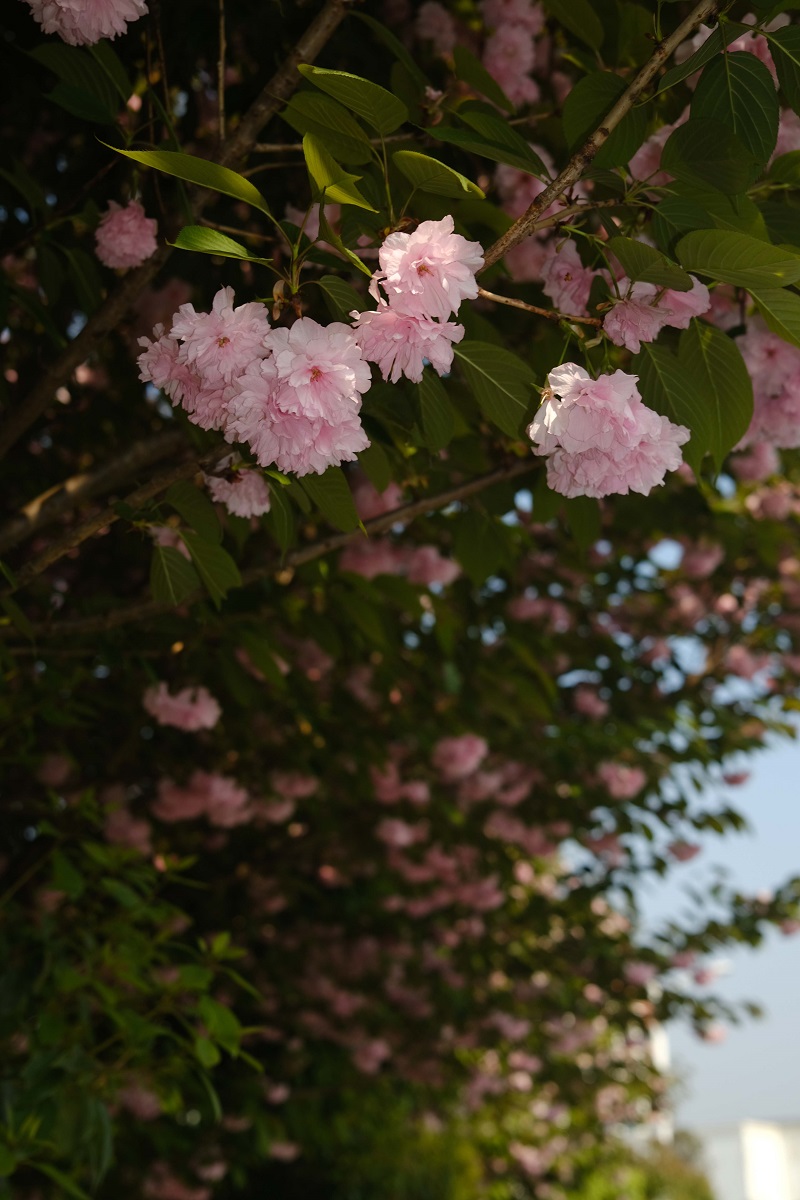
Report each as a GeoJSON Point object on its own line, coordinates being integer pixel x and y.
{"type": "Point", "coordinates": [550, 313]}
{"type": "Point", "coordinates": [279, 88]}
{"type": "Point", "coordinates": [527, 223]}
{"type": "Point", "coordinates": [144, 610]}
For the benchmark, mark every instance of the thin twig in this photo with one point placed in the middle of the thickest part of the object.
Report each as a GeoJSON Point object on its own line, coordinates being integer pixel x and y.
{"type": "Point", "coordinates": [579, 162]}
{"type": "Point", "coordinates": [549, 313]}
{"type": "Point", "coordinates": [276, 92]}
{"type": "Point", "coordinates": [221, 73]}
{"type": "Point", "coordinates": [145, 609]}
{"type": "Point", "coordinates": [43, 510]}
{"type": "Point", "coordinates": [92, 525]}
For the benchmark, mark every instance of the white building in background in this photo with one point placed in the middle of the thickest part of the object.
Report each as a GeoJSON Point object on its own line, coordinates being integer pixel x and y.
{"type": "Point", "coordinates": [753, 1160]}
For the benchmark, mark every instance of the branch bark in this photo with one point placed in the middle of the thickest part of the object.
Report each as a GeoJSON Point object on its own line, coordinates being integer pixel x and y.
{"type": "Point", "coordinates": [146, 609]}
{"type": "Point", "coordinates": [527, 223]}
{"type": "Point", "coordinates": [276, 92]}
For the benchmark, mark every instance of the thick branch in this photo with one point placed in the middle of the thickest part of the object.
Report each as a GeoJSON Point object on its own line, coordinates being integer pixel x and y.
{"type": "Point", "coordinates": [279, 88]}
{"type": "Point", "coordinates": [45, 509]}
{"type": "Point", "coordinates": [92, 525]}
{"type": "Point", "coordinates": [146, 609]}
{"type": "Point", "coordinates": [579, 162]}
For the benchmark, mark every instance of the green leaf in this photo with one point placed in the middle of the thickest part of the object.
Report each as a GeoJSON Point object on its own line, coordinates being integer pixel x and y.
{"type": "Point", "coordinates": [201, 172]}
{"type": "Point", "coordinates": [717, 40]}
{"type": "Point", "coordinates": [737, 258]}
{"type": "Point", "coordinates": [396, 47]}
{"type": "Point", "coordinates": [215, 566]}
{"type": "Point", "coordinates": [580, 18]}
{"type": "Point", "coordinates": [738, 90]}
{"type": "Point", "coordinates": [280, 518]}
{"type": "Point", "coordinates": [66, 876]}
{"type": "Point", "coordinates": [329, 235]}
{"type": "Point", "coordinates": [84, 277]}
{"type": "Point", "coordinates": [330, 179]}
{"type": "Point", "coordinates": [375, 464]}
{"type": "Point", "coordinates": [781, 312]}
{"type": "Point", "coordinates": [709, 150]}
{"type": "Point", "coordinates": [85, 76]}
{"type": "Point", "coordinates": [340, 296]}
{"type": "Point", "coordinates": [472, 71]}
{"type": "Point", "coordinates": [195, 508]}
{"type": "Point", "coordinates": [223, 1026]}
{"type": "Point", "coordinates": [263, 657]}
{"type": "Point", "coordinates": [723, 383]}
{"type": "Point", "coordinates": [8, 1162]}
{"type": "Point", "coordinates": [736, 211]}
{"type": "Point", "coordinates": [379, 108]}
{"type": "Point", "coordinates": [81, 104]}
{"type": "Point", "coordinates": [584, 109]}
{"type": "Point", "coordinates": [430, 175]}
{"type": "Point", "coordinates": [206, 1052]}
{"type": "Point", "coordinates": [492, 137]}
{"type": "Point", "coordinates": [111, 64]}
{"type": "Point", "coordinates": [582, 515]}
{"type": "Point", "coordinates": [309, 112]}
{"type": "Point", "coordinates": [64, 1182]}
{"type": "Point", "coordinates": [172, 577]}
{"type": "Point", "coordinates": [641, 262]}
{"type": "Point", "coordinates": [436, 412]}
{"type": "Point", "coordinates": [786, 169]}
{"type": "Point", "coordinates": [501, 383]}
{"type": "Point", "coordinates": [668, 388]}
{"type": "Point", "coordinates": [17, 618]}
{"type": "Point", "coordinates": [479, 545]}
{"type": "Point", "coordinates": [210, 241]}
{"type": "Point", "coordinates": [784, 46]}
{"type": "Point", "coordinates": [676, 215]}
{"type": "Point", "coordinates": [332, 497]}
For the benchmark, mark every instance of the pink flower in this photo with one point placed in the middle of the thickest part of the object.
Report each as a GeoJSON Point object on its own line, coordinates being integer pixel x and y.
{"type": "Point", "coordinates": [713, 1034]}
{"type": "Point", "coordinates": [518, 189]}
{"type": "Point", "coordinates": [294, 785]}
{"type": "Point", "coordinates": [139, 1101]}
{"type": "Point", "coordinates": [683, 851]}
{"type": "Point", "coordinates": [401, 343]}
{"type": "Point", "coordinates": [600, 437]}
{"type": "Point", "coordinates": [429, 272]}
{"type": "Point", "coordinates": [646, 161]}
{"type": "Point", "coordinates": [207, 794]}
{"type": "Point", "coordinates": [622, 782]}
{"type": "Point", "coordinates": [83, 22]}
{"type": "Point", "coordinates": [223, 343]}
{"type": "Point", "coordinates": [680, 307]}
{"type": "Point", "coordinates": [426, 566]}
{"type": "Point", "coordinates": [167, 535]}
{"type": "Point", "coordinates": [509, 57]}
{"type": "Point", "coordinates": [702, 559]}
{"type": "Point", "coordinates": [760, 461]}
{"type": "Point", "coordinates": [683, 959]}
{"type": "Point", "coordinates": [788, 133]}
{"type": "Point", "coordinates": [283, 1151]}
{"type": "Point", "coordinates": [434, 24]}
{"type": "Point", "coordinates": [744, 663]}
{"type": "Point", "coordinates": [370, 1056]}
{"type": "Point", "coordinates": [190, 709]}
{"type": "Point", "coordinates": [123, 829]}
{"type": "Point", "coordinates": [370, 502]}
{"type": "Point", "coordinates": [634, 319]}
{"type": "Point", "coordinates": [639, 973]}
{"type": "Point", "coordinates": [246, 495]}
{"type": "Point", "coordinates": [589, 704]}
{"type": "Point", "coordinates": [370, 557]}
{"type": "Point", "coordinates": [566, 280]}
{"type": "Point", "coordinates": [524, 13]}
{"type": "Point", "coordinates": [774, 366]}
{"type": "Point", "coordinates": [457, 757]}
{"type": "Point", "coordinates": [125, 237]}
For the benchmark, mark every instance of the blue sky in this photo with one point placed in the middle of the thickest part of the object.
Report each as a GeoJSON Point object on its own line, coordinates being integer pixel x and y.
{"type": "Point", "coordinates": [756, 1072]}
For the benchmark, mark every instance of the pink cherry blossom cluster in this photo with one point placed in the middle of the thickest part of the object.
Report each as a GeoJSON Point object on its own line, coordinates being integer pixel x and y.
{"type": "Point", "coordinates": [190, 709]}
{"type": "Point", "coordinates": [125, 237]}
{"type": "Point", "coordinates": [774, 367]}
{"type": "Point", "coordinates": [84, 22]}
{"type": "Point", "coordinates": [600, 438]}
{"type": "Point", "coordinates": [206, 794]}
{"type": "Point", "coordinates": [244, 493]}
{"type": "Point", "coordinates": [425, 275]}
{"type": "Point", "coordinates": [645, 310]}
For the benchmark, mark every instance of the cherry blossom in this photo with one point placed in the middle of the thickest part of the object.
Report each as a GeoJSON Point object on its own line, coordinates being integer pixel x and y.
{"type": "Point", "coordinates": [429, 272]}
{"type": "Point", "coordinates": [401, 343]}
{"type": "Point", "coordinates": [84, 22]}
{"type": "Point", "coordinates": [125, 237]}
{"type": "Point", "coordinates": [190, 709]}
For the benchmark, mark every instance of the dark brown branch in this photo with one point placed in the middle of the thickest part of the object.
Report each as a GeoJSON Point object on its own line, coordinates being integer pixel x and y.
{"type": "Point", "coordinates": [582, 159]}
{"type": "Point", "coordinates": [276, 92]}
{"type": "Point", "coordinates": [92, 525]}
{"type": "Point", "coordinates": [45, 509]}
{"type": "Point", "coordinates": [550, 313]}
{"type": "Point", "coordinates": [144, 610]}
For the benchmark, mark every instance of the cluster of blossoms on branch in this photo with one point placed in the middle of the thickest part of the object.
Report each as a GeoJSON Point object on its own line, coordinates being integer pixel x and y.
{"type": "Point", "coordinates": [84, 22]}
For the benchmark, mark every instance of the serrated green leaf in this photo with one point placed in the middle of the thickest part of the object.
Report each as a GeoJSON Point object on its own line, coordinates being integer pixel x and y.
{"type": "Point", "coordinates": [781, 312]}
{"type": "Point", "coordinates": [737, 258]}
{"type": "Point", "coordinates": [584, 109]}
{"type": "Point", "coordinates": [710, 151]}
{"type": "Point", "coordinates": [430, 175]}
{"type": "Point", "coordinates": [580, 18]}
{"type": "Point", "coordinates": [310, 112]}
{"type": "Point", "coordinates": [81, 104]}
{"type": "Point", "coordinates": [786, 169]}
{"type": "Point", "coordinates": [784, 45]}
{"type": "Point", "coordinates": [341, 297]}
{"type": "Point", "coordinates": [723, 384]}
{"type": "Point", "coordinates": [280, 519]}
{"type": "Point", "coordinates": [110, 63]}
{"type": "Point", "coordinates": [172, 577]}
{"type": "Point", "coordinates": [330, 179]}
{"type": "Point", "coordinates": [641, 262]}
{"type": "Point", "coordinates": [195, 508]}
{"type": "Point", "coordinates": [738, 90]}
{"type": "Point", "coordinates": [82, 74]}
{"type": "Point", "coordinates": [676, 215]}
{"type": "Point", "coordinates": [375, 464]}
{"type": "Point", "coordinates": [736, 211]}
{"type": "Point", "coordinates": [329, 235]}
{"type": "Point", "coordinates": [379, 108]}
{"type": "Point", "coordinates": [332, 497]}
{"type": "Point", "coordinates": [436, 412]}
{"type": "Point", "coordinates": [396, 47]}
{"type": "Point", "coordinates": [199, 171]}
{"type": "Point", "coordinates": [210, 241]}
{"type": "Point", "coordinates": [492, 137]}
{"type": "Point", "coordinates": [667, 387]}
{"type": "Point", "coordinates": [715, 43]}
{"type": "Point", "coordinates": [472, 71]}
{"type": "Point", "coordinates": [501, 383]}
{"type": "Point", "coordinates": [215, 566]}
